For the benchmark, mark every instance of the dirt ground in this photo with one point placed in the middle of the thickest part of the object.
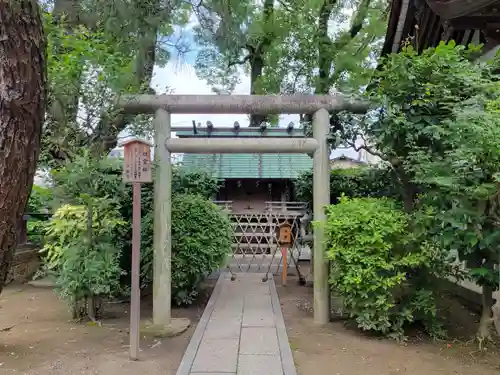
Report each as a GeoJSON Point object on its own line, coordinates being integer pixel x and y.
{"type": "Point", "coordinates": [44, 341]}
{"type": "Point", "coordinates": [338, 350]}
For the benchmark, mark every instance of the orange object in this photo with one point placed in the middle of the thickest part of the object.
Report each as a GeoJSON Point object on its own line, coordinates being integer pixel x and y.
{"type": "Point", "coordinates": [284, 252]}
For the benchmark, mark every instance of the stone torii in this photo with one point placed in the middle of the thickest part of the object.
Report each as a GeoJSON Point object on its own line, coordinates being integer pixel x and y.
{"type": "Point", "coordinates": [162, 106]}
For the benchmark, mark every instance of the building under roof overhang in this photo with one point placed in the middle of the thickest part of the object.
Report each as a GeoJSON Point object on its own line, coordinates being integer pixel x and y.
{"type": "Point", "coordinates": [427, 22]}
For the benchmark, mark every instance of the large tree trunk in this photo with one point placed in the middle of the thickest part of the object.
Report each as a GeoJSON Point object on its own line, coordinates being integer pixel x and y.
{"type": "Point", "coordinates": [23, 81]}
{"type": "Point", "coordinates": [256, 58]}
{"type": "Point", "coordinates": [328, 49]}
{"type": "Point", "coordinates": [105, 136]}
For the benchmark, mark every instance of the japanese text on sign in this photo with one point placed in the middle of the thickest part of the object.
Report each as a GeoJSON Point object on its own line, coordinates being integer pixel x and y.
{"type": "Point", "coordinates": [137, 162]}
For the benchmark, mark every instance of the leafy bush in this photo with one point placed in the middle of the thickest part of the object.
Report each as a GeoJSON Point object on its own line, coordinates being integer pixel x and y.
{"type": "Point", "coordinates": [35, 230]}
{"type": "Point", "coordinates": [196, 183]}
{"type": "Point", "coordinates": [200, 230]}
{"type": "Point", "coordinates": [201, 242]}
{"type": "Point", "coordinates": [83, 250]}
{"type": "Point", "coordinates": [353, 182]}
{"type": "Point", "coordinates": [86, 176]}
{"type": "Point", "coordinates": [40, 199]}
{"type": "Point", "coordinates": [374, 258]}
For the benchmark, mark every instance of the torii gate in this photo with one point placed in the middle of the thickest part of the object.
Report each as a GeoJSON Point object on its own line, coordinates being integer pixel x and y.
{"type": "Point", "coordinates": [165, 105]}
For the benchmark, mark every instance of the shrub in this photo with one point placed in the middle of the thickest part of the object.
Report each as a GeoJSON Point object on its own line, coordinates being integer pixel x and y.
{"type": "Point", "coordinates": [353, 182]}
{"type": "Point", "coordinates": [103, 178]}
{"type": "Point", "coordinates": [374, 258]}
{"type": "Point", "coordinates": [83, 250]}
{"type": "Point", "coordinates": [201, 242]}
{"type": "Point", "coordinates": [201, 232]}
{"type": "Point", "coordinates": [40, 199]}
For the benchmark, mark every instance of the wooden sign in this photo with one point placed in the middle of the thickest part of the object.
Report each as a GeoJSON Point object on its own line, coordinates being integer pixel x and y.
{"type": "Point", "coordinates": [137, 161]}
{"type": "Point", "coordinates": [136, 169]}
{"type": "Point", "coordinates": [285, 239]}
{"type": "Point", "coordinates": [285, 234]}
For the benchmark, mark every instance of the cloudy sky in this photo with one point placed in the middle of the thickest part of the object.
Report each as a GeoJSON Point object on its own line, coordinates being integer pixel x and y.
{"type": "Point", "coordinates": [180, 77]}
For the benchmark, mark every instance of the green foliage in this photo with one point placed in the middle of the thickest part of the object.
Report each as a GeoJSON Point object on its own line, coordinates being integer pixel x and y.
{"type": "Point", "coordinates": [374, 258]}
{"type": "Point", "coordinates": [83, 249]}
{"type": "Point", "coordinates": [353, 182]}
{"type": "Point", "coordinates": [35, 231]}
{"type": "Point", "coordinates": [201, 242]}
{"type": "Point", "coordinates": [469, 217]}
{"type": "Point", "coordinates": [282, 44]}
{"type": "Point", "coordinates": [40, 199]}
{"type": "Point", "coordinates": [195, 182]}
{"type": "Point", "coordinates": [437, 126]}
{"type": "Point", "coordinates": [345, 55]}
{"type": "Point", "coordinates": [89, 178]}
{"type": "Point", "coordinates": [84, 68]}
{"type": "Point", "coordinates": [417, 94]}
{"type": "Point", "coordinates": [97, 50]}
{"type": "Point", "coordinates": [103, 177]}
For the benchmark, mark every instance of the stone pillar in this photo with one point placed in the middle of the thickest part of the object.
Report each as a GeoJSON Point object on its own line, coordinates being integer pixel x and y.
{"type": "Point", "coordinates": [321, 198]}
{"type": "Point", "coordinates": [162, 244]}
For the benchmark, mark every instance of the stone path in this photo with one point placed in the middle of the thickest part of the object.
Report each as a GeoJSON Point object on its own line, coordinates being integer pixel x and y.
{"type": "Point", "coordinates": [241, 332]}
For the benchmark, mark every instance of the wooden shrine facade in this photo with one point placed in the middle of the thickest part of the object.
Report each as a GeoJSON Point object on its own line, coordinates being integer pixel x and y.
{"type": "Point", "coordinates": [427, 22]}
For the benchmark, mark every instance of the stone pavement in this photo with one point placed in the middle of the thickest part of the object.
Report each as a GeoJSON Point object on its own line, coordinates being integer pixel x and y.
{"type": "Point", "coordinates": [241, 331]}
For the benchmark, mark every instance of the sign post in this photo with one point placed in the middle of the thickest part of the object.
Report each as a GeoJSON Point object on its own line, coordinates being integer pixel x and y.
{"type": "Point", "coordinates": [285, 240]}
{"type": "Point", "coordinates": [136, 170]}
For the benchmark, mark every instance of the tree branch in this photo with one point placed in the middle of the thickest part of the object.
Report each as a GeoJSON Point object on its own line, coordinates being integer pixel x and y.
{"type": "Point", "coordinates": [286, 6]}
{"type": "Point", "coordinates": [325, 45]}
{"type": "Point", "coordinates": [357, 25]}
{"type": "Point", "coordinates": [364, 146]}
{"type": "Point", "coordinates": [239, 62]}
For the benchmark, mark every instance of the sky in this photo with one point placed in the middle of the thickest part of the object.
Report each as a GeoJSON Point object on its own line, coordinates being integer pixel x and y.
{"type": "Point", "coordinates": [180, 77]}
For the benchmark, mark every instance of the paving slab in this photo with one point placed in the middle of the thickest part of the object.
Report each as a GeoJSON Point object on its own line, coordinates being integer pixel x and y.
{"type": "Point", "coordinates": [259, 340]}
{"type": "Point", "coordinates": [241, 331]}
{"type": "Point", "coordinates": [259, 365]}
{"type": "Point", "coordinates": [216, 355]}
{"type": "Point", "coordinates": [254, 318]}
{"type": "Point", "coordinates": [221, 328]}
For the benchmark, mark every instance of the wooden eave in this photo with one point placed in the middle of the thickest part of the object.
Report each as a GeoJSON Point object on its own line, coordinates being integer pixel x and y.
{"type": "Point", "coordinates": [427, 22]}
{"type": "Point", "coordinates": [451, 9]}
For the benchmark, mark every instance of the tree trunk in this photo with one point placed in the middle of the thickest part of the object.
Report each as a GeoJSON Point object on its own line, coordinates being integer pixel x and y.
{"type": "Point", "coordinates": [256, 70]}
{"type": "Point", "coordinates": [486, 319]}
{"type": "Point", "coordinates": [105, 136]}
{"type": "Point", "coordinates": [496, 316]}
{"type": "Point", "coordinates": [64, 108]}
{"type": "Point", "coordinates": [328, 49]}
{"type": "Point", "coordinates": [325, 50]}
{"type": "Point", "coordinates": [23, 82]}
{"type": "Point", "coordinates": [256, 58]}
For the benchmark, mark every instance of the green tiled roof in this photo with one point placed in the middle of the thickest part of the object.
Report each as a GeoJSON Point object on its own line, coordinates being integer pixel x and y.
{"type": "Point", "coordinates": [239, 166]}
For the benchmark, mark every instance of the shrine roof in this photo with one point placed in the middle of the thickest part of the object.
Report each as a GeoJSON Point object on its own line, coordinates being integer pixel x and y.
{"type": "Point", "coordinates": [246, 165]}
